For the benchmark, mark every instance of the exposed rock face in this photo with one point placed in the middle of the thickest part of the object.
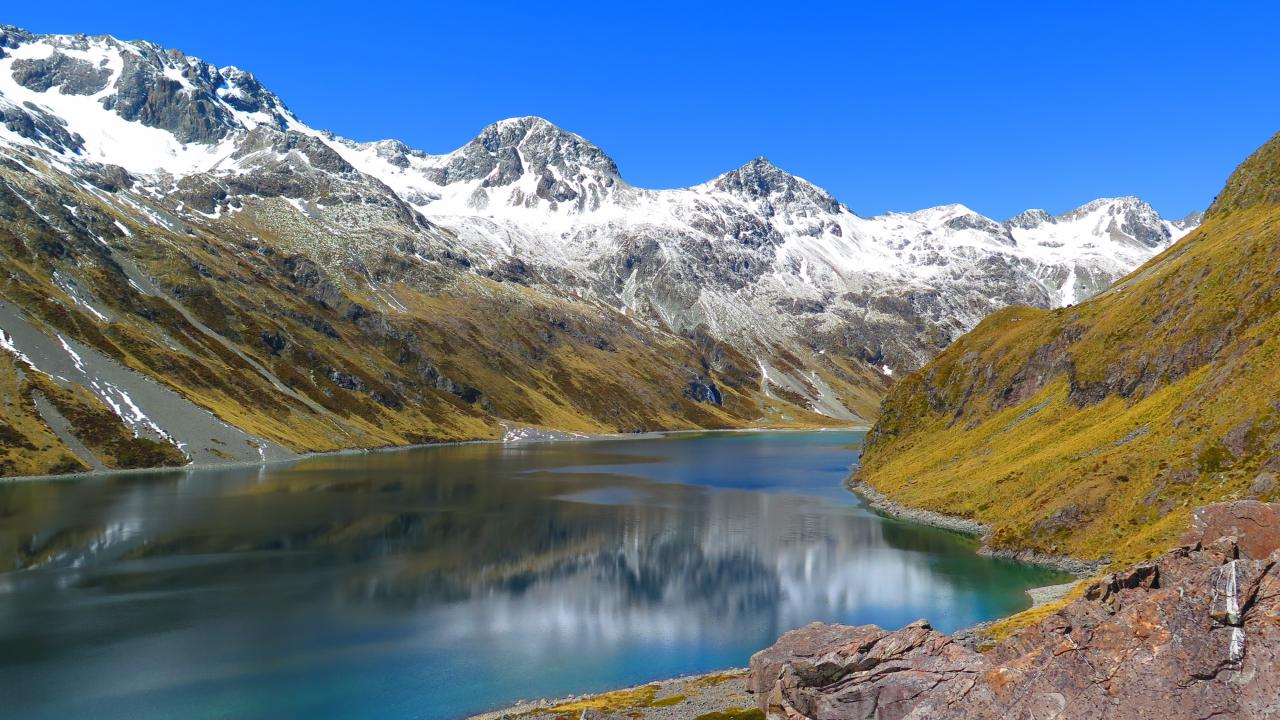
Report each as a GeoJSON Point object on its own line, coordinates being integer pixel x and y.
{"type": "Point", "coordinates": [73, 76]}
{"type": "Point", "coordinates": [567, 167]}
{"type": "Point", "coordinates": [39, 126]}
{"type": "Point", "coordinates": [1194, 633]}
{"type": "Point", "coordinates": [780, 191]}
{"type": "Point", "coordinates": [339, 272]}
{"type": "Point", "coordinates": [1129, 219]}
{"type": "Point", "coordinates": [1255, 526]}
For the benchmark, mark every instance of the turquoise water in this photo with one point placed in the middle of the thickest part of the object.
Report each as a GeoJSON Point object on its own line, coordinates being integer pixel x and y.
{"type": "Point", "coordinates": [434, 583]}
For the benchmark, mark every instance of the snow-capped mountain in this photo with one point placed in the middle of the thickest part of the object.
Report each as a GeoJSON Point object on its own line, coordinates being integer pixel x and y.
{"type": "Point", "coordinates": [814, 303]}
{"type": "Point", "coordinates": [758, 252]}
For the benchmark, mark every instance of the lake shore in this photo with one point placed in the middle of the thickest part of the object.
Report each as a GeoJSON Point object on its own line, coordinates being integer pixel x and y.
{"type": "Point", "coordinates": [722, 695]}
{"type": "Point", "coordinates": [878, 502]}
{"type": "Point", "coordinates": [719, 695]}
{"type": "Point", "coordinates": [524, 436]}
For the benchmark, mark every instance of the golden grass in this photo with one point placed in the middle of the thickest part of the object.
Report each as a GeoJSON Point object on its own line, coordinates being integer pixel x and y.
{"type": "Point", "coordinates": [1002, 629]}
{"type": "Point", "coordinates": [618, 701]}
{"type": "Point", "coordinates": [1093, 431]}
{"type": "Point", "coordinates": [523, 356]}
{"type": "Point", "coordinates": [713, 679]}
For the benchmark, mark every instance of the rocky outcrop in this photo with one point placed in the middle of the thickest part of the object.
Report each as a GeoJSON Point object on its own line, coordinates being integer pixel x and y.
{"type": "Point", "coordinates": [1194, 633]}
{"type": "Point", "coordinates": [780, 191]}
{"type": "Point", "coordinates": [72, 75]}
{"type": "Point", "coordinates": [39, 126]}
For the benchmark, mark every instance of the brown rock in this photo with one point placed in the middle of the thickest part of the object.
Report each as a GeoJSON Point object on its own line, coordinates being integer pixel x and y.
{"type": "Point", "coordinates": [1256, 526]}
{"type": "Point", "coordinates": [1106, 592]}
{"type": "Point", "coordinates": [836, 671]}
{"type": "Point", "coordinates": [1194, 633]}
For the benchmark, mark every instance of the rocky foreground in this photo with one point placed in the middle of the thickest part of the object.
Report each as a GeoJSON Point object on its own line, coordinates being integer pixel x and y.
{"type": "Point", "coordinates": [1193, 633]}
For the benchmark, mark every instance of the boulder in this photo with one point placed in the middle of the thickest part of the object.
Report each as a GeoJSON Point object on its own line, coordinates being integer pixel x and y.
{"type": "Point", "coordinates": [1194, 633]}
{"type": "Point", "coordinates": [1263, 484]}
{"type": "Point", "coordinates": [837, 671]}
{"type": "Point", "coordinates": [1255, 525]}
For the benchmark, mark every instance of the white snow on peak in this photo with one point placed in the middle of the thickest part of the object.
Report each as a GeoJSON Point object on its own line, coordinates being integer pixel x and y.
{"type": "Point", "coordinates": [754, 252]}
{"type": "Point", "coordinates": [1108, 236]}
{"type": "Point", "coordinates": [823, 246]}
{"type": "Point", "coordinates": [108, 137]}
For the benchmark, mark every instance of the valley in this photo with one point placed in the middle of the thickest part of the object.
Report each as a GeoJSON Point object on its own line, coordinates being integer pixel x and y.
{"type": "Point", "coordinates": [195, 276]}
{"type": "Point", "coordinates": [386, 432]}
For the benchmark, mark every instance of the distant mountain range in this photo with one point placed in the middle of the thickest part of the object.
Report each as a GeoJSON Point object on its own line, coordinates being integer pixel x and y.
{"type": "Point", "coordinates": [174, 232]}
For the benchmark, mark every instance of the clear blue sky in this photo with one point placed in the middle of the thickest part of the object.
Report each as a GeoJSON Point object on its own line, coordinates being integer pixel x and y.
{"type": "Point", "coordinates": [891, 107]}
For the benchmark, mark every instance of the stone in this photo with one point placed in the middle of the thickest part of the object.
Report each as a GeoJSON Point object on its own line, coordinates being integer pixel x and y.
{"type": "Point", "coordinates": [1256, 526]}
{"type": "Point", "coordinates": [835, 670]}
{"type": "Point", "coordinates": [1263, 484]}
{"type": "Point", "coordinates": [1193, 633]}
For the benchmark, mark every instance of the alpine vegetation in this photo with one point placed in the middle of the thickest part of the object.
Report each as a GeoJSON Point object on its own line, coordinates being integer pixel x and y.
{"type": "Point", "coordinates": [195, 274]}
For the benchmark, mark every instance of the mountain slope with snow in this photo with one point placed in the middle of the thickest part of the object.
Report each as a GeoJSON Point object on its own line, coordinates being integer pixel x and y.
{"type": "Point", "coordinates": [1107, 423]}
{"type": "Point", "coordinates": [183, 226]}
{"type": "Point", "coordinates": [758, 254]}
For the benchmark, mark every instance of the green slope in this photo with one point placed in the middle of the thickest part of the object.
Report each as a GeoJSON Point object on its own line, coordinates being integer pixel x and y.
{"type": "Point", "coordinates": [1094, 430]}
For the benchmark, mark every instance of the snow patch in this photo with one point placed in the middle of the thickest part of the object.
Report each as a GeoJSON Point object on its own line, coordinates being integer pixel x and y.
{"type": "Point", "coordinates": [7, 343]}
{"type": "Point", "coordinates": [75, 357]}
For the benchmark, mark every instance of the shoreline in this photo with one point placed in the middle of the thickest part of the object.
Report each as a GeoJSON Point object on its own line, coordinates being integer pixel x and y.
{"type": "Point", "coordinates": [721, 694]}
{"type": "Point", "coordinates": [540, 436]}
{"type": "Point", "coordinates": [878, 502]}
{"type": "Point", "coordinates": [713, 692]}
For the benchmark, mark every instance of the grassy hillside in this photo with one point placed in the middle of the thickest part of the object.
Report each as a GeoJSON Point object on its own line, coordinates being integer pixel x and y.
{"type": "Point", "coordinates": [1094, 430]}
{"type": "Point", "coordinates": [311, 339]}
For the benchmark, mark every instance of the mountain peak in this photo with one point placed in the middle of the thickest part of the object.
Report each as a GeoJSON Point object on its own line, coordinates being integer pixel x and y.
{"type": "Point", "coordinates": [526, 122]}
{"type": "Point", "coordinates": [1190, 221]}
{"type": "Point", "coordinates": [1125, 205]}
{"type": "Point", "coordinates": [510, 149]}
{"type": "Point", "coordinates": [762, 166]}
{"type": "Point", "coordinates": [760, 179]}
{"type": "Point", "coordinates": [517, 131]}
{"type": "Point", "coordinates": [1119, 201]}
{"type": "Point", "coordinates": [134, 104]}
{"type": "Point", "coordinates": [1031, 218]}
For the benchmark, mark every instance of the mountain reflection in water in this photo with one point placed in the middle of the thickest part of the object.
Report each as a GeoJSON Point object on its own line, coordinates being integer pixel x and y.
{"type": "Point", "coordinates": [435, 582]}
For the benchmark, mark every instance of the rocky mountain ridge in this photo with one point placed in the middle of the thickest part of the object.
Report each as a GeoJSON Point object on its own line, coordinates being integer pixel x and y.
{"type": "Point", "coordinates": [167, 213]}
{"type": "Point", "coordinates": [759, 256]}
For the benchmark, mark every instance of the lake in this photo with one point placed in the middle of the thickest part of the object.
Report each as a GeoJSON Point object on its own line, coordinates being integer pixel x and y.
{"type": "Point", "coordinates": [437, 582]}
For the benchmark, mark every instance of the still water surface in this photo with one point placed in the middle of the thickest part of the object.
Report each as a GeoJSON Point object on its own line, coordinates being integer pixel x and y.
{"type": "Point", "coordinates": [432, 583]}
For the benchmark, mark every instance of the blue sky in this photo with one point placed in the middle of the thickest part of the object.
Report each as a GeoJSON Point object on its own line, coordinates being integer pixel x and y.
{"type": "Point", "coordinates": [891, 107]}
